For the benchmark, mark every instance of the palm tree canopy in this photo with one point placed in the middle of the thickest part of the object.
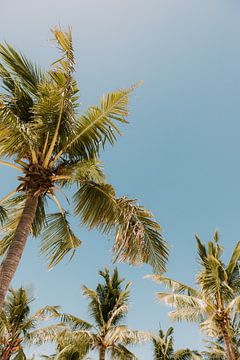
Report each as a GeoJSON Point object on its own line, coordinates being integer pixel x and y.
{"type": "Point", "coordinates": [163, 348]}
{"type": "Point", "coordinates": [216, 301]}
{"type": "Point", "coordinates": [43, 135]}
{"type": "Point", "coordinates": [17, 324]}
{"type": "Point", "coordinates": [108, 306]}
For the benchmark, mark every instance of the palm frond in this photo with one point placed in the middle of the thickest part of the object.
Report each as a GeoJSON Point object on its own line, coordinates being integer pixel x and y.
{"type": "Point", "coordinates": [3, 214]}
{"type": "Point", "coordinates": [58, 239]}
{"type": "Point", "coordinates": [98, 125]}
{"type": "Point", "coordinates": [43, 335]}
{"type": "Point", "coordinates": [120, 352]}
{"type": "Point", "coordinates": [188, 307]}
{"type": "Point", "coordinates": [176, 286]}
{"type": "Point", "coordinates": [96, 205]}
{"type": "Point", "coordinates": [27, 73]}
{"type": "Point", "coordinates": [138, 237]}
{"type": "Point", "coordinates": [234, 260]}
{"type": "Point", "coordinates": [75, 323]}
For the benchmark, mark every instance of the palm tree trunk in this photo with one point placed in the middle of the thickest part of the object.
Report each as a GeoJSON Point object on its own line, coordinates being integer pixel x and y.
{"type": "Point", "coordinates": [10, 263]}
{"type": "Point", "coordinates": [228, 343]}
{"type": "Point", "coordinates": [102, 353]}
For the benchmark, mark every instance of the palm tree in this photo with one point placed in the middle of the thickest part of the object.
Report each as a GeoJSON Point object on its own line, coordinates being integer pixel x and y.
{"type": "Point", "coordinates": [107, 307]}
{"type": "Point", "coordinates": [45, 138]}
{"type": "Point", "coordinates": [216, 350]}
{"type": "Point", "coordinates": [216, 301]}
{"type": "Point", "coordinates": [18, 326]}
{"type": "Point", "coordinates": [163, 347]}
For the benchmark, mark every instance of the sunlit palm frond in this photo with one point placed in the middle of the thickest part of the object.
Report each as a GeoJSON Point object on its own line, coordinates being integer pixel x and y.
{"type": "Point", "coordinates": [21, 68]}
{"type": "Point", "coordinates": [138, 238]}
{"type": "Point", "coordinates": [234, 260]}
{"type": "Point", "coordinates": [96, 205]}
{"type": "Point", "coordinates": [3, 214]}
{"type": "Point", "coordinates": [58, 239]}
{"type": "Point", "coordinates": [98, 125]}
{"type": "Point", "coordinates": [43, 335]}
{"type": "Point", "coordinates": [187, 307]}
{"type": "Point", "coordinates": [46, 313]}
{"type": "Point", "coordinates": [176, 286]}
{"type": "Point", "coordinates": [75, 172]}
{"type": "Point", "coordinates": [75, 323]}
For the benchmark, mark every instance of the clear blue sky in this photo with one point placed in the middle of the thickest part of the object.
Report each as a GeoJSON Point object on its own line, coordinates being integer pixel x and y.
{"type": "Point", "coordinates": [180, 154]}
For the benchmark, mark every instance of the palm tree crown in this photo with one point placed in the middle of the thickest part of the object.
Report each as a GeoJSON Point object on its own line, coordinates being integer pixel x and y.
{"type": "Point", "coordinates": [216, 301]}
{"type": "Point", "coordinates": [163, 347]}
{"type": "Point", "coordinates": [108, 306]}
{"type": "Point", "coordinates": [44, 137]}
{"type": "Point", "coordinates": [18, 326]}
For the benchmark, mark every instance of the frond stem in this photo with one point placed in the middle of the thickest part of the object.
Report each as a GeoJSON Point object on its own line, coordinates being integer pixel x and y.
{"type": "Point", "coordinates": [54, 139]}
{"type": "Point", "coordinates": [11, 165]}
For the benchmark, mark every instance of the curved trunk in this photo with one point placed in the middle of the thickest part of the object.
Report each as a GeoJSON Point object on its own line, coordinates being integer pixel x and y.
{"type": "Point", "coordinates": [228, 344]}
{"type": "Point", "coordinates": [102, 353]}
{"type": "Point", "coordinates": [10, 263]}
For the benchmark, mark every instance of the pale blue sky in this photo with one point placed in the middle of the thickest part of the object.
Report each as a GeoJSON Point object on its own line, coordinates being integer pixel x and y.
{"type": "Point", "coordinates": [180, 154]}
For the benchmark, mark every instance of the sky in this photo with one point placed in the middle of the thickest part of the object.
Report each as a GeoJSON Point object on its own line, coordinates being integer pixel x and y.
{"type": "Point", "coordinates": [180, 153]}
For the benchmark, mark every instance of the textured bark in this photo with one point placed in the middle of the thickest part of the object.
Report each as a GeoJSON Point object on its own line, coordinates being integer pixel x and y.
{"type": "Point", "coordinates": [10, 263]}
{"type": "Point", "coordinates": [102, 353]}
{"type": "Point", "coordinates": [228, 344]}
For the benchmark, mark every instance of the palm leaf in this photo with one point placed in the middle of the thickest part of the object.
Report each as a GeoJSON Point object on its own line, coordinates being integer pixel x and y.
{"type": "Point", "coordinates": [234, 260]}
{"type": "Point", "coordinates": [58, 239]}
{"type": "Point", "coordinates": [98, 125]}
{"type": "Point", "coordinates": [3, 214]}
{"type": "Point", "coordinates": [28, 74]}
{"type": "Point", "coordinates": [138, 236]}
{"type": "Point", "coordinates": [96, 205]}
{"type": "Point", "coordinates": [176, 286]}
{"type": "Point", "coordinates": [75, 323]}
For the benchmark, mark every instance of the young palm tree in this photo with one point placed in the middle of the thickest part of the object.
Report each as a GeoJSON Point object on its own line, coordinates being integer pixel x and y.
{"type": "Point", "coordinates": [107, 307]}
{"type": "Point", "coordinates": [163, 347]}
{"type": "Point", "coordinates": [216, 301]}
{"type": "Point", "coordinates": [17, 325]}
{"type": "Point", "coordinates": [53, 147]}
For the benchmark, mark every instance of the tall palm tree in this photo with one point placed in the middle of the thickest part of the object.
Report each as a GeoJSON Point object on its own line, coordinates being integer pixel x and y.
{"type": "Point", "coordinates": [216, 300]}
{"type": "Point", "coordinates": [163, 347]}
{"type": "Point", "coordinates": [17, 325]}
{"type": "Point", "coordinates": [107, 307]}
{"type": "Point", "coordinates": [44, 137]}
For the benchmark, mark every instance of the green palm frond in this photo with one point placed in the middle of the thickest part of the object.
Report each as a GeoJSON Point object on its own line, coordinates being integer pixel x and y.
{"type": "Point", "coordinates": [3, 214]}
{"type": "Point", "coordinates": [21, 68]}
{"type": "Point", "coordinates": [96, 205]}
{"type": "Point", "coordinates": [40, 217]}
{"type": "Point", "coordinates": [186, 354]}
{"type": "Point", "coordinates": [87, 170]}
{"type": "Point", "coordinates": [14, 208]}
{"type": "Point", "coordinates": [138, 238]}
{"type": "Point", "coordinates": [75, 323]}
{"type": "Point", "coordinates": [234, 260]}
{"type": "Point", "coordinates": [98, 125]}
{"type": "Point", "coordinates": [20, 355]}
{"type": "Point", "coordinates": [16, 135]}
{"type": "Point", "coordinates": [120, 352]}
{"type": "Point", "coordinates": [58, 239]}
